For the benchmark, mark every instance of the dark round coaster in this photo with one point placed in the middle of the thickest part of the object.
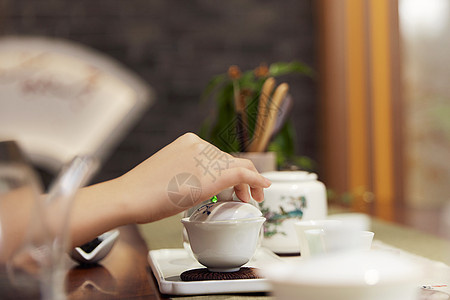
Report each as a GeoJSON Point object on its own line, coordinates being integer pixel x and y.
{"type": "Point", "coordinates": [205, 274]}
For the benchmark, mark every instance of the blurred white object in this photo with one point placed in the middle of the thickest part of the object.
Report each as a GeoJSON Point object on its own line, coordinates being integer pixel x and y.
{"type": "Point", "coordinates": [366, 239]}
{"type": "Point", "coordinates": [91, 256]}
{"type": "Point", "coordinates": [59, 99]}
{"type": "Point", "coordinates": [293, 196]}
{"type": "Point", "coordinates": [346, 276]}
{"type": "Point", "coordinates": [301, 226]}
{"type": "Point", "coordinates": [37, 257]}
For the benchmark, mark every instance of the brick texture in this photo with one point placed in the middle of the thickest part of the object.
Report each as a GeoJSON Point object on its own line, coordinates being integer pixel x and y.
{"type": "Point", "coordinates": [176, 46]}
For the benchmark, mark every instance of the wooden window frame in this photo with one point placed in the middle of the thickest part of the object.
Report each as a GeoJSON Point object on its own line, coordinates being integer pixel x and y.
{"type": "Point", "coordinates": [360, 103]}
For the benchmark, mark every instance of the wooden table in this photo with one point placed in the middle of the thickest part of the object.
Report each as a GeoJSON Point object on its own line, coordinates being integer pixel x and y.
{"type": "Point", "coordinates": [123, 274]}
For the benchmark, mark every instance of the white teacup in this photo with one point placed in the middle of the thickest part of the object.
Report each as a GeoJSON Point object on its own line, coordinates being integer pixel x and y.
{"type": "Point", "coordinates": [301, 226]}
{"type": "Point", "coordinates": [323, 241]}
{"type": "Point", "coordinates": [359, 221]}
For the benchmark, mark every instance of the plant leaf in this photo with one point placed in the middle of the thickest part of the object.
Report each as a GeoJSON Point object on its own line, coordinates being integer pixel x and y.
{"type": "Point", "coordinates": [212, 84]}
{"type": "Point", "coordinates": [283, 68]}
{"type": "Point", "coordinates": [220, 129]}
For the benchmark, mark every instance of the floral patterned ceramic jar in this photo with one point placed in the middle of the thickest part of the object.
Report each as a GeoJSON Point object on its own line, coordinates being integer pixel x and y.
{"type": "Point", "coordinates": [293, 196]}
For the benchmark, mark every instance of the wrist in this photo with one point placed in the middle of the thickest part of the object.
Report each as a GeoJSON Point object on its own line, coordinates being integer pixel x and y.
{"type": "Point", "coordinates": [119, 202]}
{"type": "Point", "coordinates": [97, 209]}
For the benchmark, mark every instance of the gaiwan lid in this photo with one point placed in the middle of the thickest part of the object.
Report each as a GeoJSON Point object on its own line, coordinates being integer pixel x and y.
{"type": "Point", "coordinates": [225, 211]}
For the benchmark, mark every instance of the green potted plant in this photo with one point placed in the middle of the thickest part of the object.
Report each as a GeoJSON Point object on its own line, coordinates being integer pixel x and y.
{"type": "Point", "coordinates": [233, 127]}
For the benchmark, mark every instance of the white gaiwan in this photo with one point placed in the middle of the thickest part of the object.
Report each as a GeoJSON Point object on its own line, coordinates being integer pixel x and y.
{"type": "Point", "coordinates": [225, 211]}
{"type": "Point", "coordinates": [223, 236]}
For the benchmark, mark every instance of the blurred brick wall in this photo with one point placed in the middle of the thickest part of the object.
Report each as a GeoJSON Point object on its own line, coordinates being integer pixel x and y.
{"type": "Point", "coordinates": [176, 46]}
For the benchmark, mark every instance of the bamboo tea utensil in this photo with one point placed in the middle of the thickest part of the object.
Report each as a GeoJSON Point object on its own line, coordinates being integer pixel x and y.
{"type": "Point", "coordinates": [278, 96]}
{"type": "Point", "coordinates": [240, 111]}
{"type": "Point", "coordinates": [266, 91]}
{"type": "Point", "coordinates": [284, 112]}
{"type": "Point", "coordinates": [242, 122]}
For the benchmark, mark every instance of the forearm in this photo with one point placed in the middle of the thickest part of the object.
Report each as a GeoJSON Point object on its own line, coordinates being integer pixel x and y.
{"type": "Point", "coordinates": [97, 209]}
{"type": "Point", "coordinates": [16, 214]}
{"type": "Point", "coordinates": [139, 196]}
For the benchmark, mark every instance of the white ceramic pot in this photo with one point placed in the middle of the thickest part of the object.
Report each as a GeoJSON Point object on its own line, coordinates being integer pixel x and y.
{"type": "Point", "coordinates": [293, 196]}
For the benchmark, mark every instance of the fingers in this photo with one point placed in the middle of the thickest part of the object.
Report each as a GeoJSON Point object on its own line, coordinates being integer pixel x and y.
{"type": "Point", "coordinates": [257, 194]}
{"type": "Point", "coordinates": [245, 163]}
{"type": "Point", "coordinates": [241, 178]}
{"type": "Point", "coordinates": [246, 176]}
{"type": "Point", "coordinates": [229, 171]}
{"type": "Point", "coordinates": [241, 191]}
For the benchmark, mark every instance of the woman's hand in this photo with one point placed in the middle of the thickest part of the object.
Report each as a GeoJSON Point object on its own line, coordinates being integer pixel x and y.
{"type": "Point", "coordinates": [179, 176]}
{"type": "Point", "coordinates": [184, 173]}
